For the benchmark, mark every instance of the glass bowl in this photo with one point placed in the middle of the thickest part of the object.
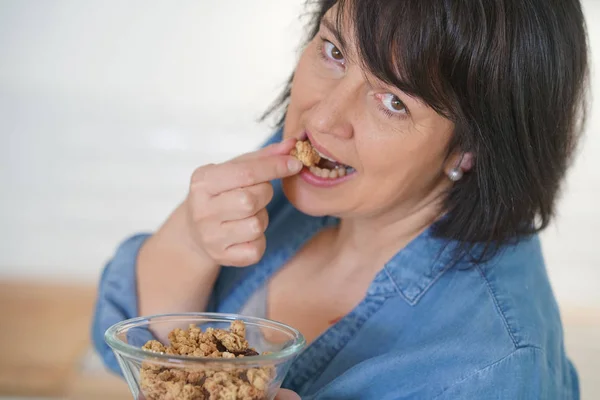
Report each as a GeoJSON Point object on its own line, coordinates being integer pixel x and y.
{"type": "Point", "coordinates": [153, 376]}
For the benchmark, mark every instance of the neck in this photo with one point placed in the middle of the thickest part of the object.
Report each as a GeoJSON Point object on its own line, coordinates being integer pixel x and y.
{"type": "Point", "coordinates": [376, 239]}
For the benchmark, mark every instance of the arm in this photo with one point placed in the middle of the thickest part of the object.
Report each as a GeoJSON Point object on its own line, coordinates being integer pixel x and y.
{"type": "Point", "coordinates": [172, 274]}
{"type": "Point", "coordinates": [117, 299]}
{"type": "Point", "coordinates": [151, 275]}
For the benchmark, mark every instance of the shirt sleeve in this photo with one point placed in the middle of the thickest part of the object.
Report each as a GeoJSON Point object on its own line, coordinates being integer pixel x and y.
{"type": "Point", "coordinates": [117, 296]}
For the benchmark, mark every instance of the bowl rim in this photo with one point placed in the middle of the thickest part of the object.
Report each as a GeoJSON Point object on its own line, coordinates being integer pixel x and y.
{"type": "Point", "coordinates": [145, 355]}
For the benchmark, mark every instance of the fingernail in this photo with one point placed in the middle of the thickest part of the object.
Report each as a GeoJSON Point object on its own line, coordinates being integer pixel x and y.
{"type": "Point", "coordinates": [294, 165]}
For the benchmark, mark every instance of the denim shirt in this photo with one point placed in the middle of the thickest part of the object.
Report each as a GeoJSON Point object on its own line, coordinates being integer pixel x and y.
{"type": "Point", "coordinates": [426, 329]}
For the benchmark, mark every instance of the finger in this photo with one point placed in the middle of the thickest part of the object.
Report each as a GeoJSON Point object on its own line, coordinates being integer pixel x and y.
{"type": "Point", "coordinates": [245, 254]}
{"type": "Point", "coordinates": [241, 203]}
{"type": "Point", "coordinates": [217, 179]}
{"type": "Point", "coordinates": [245, 230]}
{"type": "Point", "coordinates": [283, 147]}
{"type": "Point", "coordinates": [285, 394]}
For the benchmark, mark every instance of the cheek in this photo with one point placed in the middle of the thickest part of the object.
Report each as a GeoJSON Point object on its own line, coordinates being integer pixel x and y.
{"type": "Point", "coordinates": [304, 86]}
{"type": "Point", "coordinates": [311, 81]}
{"type": "Point", "coordinates": [405, 157]}
{"type": "Point", "coordinates": [299, 101]}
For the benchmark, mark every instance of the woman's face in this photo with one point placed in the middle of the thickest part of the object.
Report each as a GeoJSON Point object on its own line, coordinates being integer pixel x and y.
{"type": "Point", "coordinates": [396, 144]}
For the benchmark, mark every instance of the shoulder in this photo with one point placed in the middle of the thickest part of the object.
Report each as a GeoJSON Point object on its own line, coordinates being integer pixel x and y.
{"type": "Point", "coordinates": [503, 306]}
{"type": "Point", "coordinates": [500, 320]}
{"type": "Point", "coordinates": [509, 298]}
{"type": "Point", "coordinates": [518, 284]}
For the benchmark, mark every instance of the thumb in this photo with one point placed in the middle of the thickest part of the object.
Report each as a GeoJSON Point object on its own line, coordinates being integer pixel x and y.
{"type": "Point", "coordinates": [285, 394]}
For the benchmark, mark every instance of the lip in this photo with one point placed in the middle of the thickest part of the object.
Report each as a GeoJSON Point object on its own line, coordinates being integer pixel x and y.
{"type": "Point", "coordinates": [321, 149]}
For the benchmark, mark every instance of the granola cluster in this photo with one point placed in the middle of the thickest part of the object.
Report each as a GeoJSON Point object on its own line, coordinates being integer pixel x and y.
{"type": "Point", "coordinates": [205, 384]}
{"type": "Point", "coordinates": [306, 153]}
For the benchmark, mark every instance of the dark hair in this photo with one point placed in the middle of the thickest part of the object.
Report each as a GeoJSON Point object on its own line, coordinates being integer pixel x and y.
{"type": "Point", "coordinates": [510, 74]}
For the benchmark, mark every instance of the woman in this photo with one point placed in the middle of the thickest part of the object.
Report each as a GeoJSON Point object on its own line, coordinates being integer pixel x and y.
{"type": "Point", "coordinates": [414, 270]}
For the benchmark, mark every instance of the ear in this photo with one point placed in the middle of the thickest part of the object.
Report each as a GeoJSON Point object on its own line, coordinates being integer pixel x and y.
{"type": "Point", "coordinates": [462, 161]}
{"type": "Point", "coordinates": [467, 162]}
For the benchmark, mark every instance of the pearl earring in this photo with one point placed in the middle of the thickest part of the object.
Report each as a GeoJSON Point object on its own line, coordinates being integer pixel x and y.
{"type": "Point", "coordinates": [455, 174]}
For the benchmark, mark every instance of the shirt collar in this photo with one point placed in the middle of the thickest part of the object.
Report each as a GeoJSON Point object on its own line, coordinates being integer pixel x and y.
{"type": "Point", "coordinates": [411, 271]}
{"type": "Point", "coordinates": [415, 268]}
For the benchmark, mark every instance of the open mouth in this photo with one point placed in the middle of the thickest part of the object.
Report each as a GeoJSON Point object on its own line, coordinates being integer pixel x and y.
{"type": "Point", "coordinates": [318, 163]}
{"type": "Point", "coordinates": [330, 168]}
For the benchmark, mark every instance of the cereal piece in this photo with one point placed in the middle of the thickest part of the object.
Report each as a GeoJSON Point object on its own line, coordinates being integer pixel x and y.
{"type": "Point", "coordinates": [154, 346]}
{"type": "Point", "coordinates": [194, 333]}
{"type": "Point", "coordinates": [247, 353]}
{"type": "Point", "coordinates": [259, 378]}
{"type": "Point", "coordinates": [306, 153]}
{"type": "Point", "coordinates": [216, 354]}
{"type": "Point", "coordinates": [165, 375]}
{"type": "Point", "coordinates": [208, 348]}
{"type": "Point", "coordinates": [196, 377]}
{"type": "Point", "coordinates": [173, 390]}
{"type": "Point", "coordinates": [191, 392]}
{"type": "Point", "coordinates": [239, 328]}
{"type": "Point", "coordinates": [232, 342]}
{"type": "Point", "coordinates": [222, 386]}
{"type": "Point", "coordinates": [185, 342]}
{"type": "Point", "coordinates": [152, 367]}
{"type": "Point", "coordinates": [249, 392]}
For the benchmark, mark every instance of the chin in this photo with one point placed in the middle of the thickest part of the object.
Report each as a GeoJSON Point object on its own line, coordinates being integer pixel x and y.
{"type": "Point", "coordinates": [306, 200]}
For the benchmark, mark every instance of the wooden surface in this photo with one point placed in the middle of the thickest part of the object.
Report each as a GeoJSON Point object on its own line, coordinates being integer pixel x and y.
{"type": "Point", "coordinates": [44, 331]}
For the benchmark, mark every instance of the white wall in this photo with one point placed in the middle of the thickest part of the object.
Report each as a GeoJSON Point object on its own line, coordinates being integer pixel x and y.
{"type": "Point", "coordinates": [107, 106]}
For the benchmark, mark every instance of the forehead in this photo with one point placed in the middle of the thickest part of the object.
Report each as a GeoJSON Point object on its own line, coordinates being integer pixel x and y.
{"type": "Point", "coordinates": [399, 43]}
{"type": "Point", "coordinates": [339, 21]}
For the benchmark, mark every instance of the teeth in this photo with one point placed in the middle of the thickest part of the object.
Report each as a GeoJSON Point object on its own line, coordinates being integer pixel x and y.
{"type": "Point", "coordinates": [324, 156]}
{"type": "Point", "coordinates": [337, 172]}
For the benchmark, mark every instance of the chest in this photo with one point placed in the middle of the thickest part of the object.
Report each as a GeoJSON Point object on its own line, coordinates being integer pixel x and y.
{"type": "Point", "coordinates": [311, 295]}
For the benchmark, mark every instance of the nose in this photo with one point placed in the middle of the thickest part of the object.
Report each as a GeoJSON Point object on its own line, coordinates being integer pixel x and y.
{"type": "Point", "coordinates": [334, 110]}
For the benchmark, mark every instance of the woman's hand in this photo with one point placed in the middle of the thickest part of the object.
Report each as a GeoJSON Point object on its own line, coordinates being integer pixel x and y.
{"type": "Point", "coordinates": [226, 203]}
{"type": "Point", "coordinates": [285, 394]}
{"type": "Point", "coordinates": [221, 222]}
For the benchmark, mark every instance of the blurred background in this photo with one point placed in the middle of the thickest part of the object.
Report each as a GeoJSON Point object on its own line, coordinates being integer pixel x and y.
{"type": "Point", "coordinates": [106, 107]}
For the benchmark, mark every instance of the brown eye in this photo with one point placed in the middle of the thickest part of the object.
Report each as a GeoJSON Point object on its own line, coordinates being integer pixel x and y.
{"type": "Point", "coordinates": [333, 52]}
{"type": "Point", "coordinates": [396, 104]}
{"type": "Point", "coordinates": [392, 104]}
{"type": "Point", "coordinates": [336, 53]}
